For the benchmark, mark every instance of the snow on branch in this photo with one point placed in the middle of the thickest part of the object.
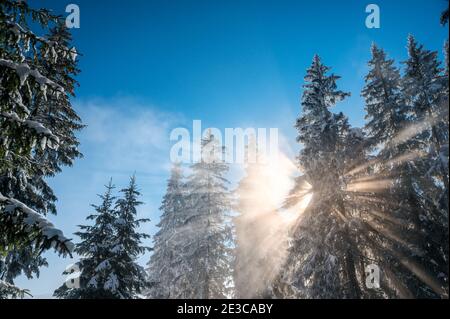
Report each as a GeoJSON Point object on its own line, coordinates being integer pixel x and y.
{"type": "Point", "coordinates": [9, 290]}
{"type": "Point", "coordinates": [17, 29]}
{"type": "Point", "coordinates": [23, 70]}
{"type": "Point", "coordinates": [33, 125]}
{"type": "Point", "coordinates": [33, 218]}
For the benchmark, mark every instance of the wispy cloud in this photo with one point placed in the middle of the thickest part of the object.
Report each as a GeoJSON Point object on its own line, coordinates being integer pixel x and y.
{"type": "Point", "coordinates": [126, 134]}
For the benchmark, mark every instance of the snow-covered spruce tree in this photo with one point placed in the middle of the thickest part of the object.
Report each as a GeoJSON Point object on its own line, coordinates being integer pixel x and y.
{"type": "Point", "coordinates": [393, 224]}
{"type": "Point", "coordinates": [95, 250]}
{"type": "Point", "coordinates": [321, 261]}
{"type": "Point", "coordinates": [425, 88]}
{"type": "Point", "coordinates": [130, 278]}
{"type": "Point", "coordinates": [207, 241]}
{"type": "Point", "coordinates": [385, 108]}
{"type": "Point", "coordinates": [37, 133]}
{"type": "Point", "coordinates": [167, 268]}
{"type": "Point", "coordinates": [387, 116]}
{"type": "Point", "coordinates": [109, 249]}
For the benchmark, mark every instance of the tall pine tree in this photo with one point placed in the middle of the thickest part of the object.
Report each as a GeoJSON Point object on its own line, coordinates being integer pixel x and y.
{"type": "Point", "coordinates": [97, 279]}
{"type": "Point", "coordinates": [207, 245]}
{"type": "Point", "coordinates": [167, 268]}
{"type": "Point", "coordinates": [37, 133]}
{"type": "Point", "coordinates": [397, 229]}
{"type": "Point", "coordinates": [109, 249]}
{"type": "Point", "coordinates": [424, 88]}
{"type": "Point", "coordinates": [321, 259]}
{"type": "Point", "coordinates": [387, 116]}
{"type": "Point", "coordinates": [127, 245]}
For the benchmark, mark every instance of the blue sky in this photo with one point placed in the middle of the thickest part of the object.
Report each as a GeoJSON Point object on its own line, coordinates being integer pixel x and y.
{"type": "Point", "coordinates": [150, 66]}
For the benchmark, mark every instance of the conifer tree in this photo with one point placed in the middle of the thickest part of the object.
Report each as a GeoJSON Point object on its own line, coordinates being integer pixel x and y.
{"type": "Point", "coordinates": [127, 245]}
{"type": "Point", "coordinates": [37, 133]}
{"type": "Point", "coordinates": [387, 117]}
{"type": "Point", "coordinates": [385, 106]}
{"type": "Point", "coordinates": [424, 88]}
{"type": "Point", "coordinates": [321, 260]}
{"type": "Point", "coordinates": [207, 246]}
{"type": "Point", "coordinates": [394, 217]}
{"type": "Point", "coordinates": [97, 277]}
{"type": "Point", "coordinates": [167, 269]}
{"type": "Point", "coordinates": [109, 249]}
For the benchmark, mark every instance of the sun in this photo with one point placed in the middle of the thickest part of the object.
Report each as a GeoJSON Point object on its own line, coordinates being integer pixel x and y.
{"type": "Point", "coordinates": [273, 184]}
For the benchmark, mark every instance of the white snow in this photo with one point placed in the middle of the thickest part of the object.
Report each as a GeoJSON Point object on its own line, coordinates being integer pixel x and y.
{"type": "Point", "coordinates": [23, 70]}
{"type": "Point", "coordinates": [103, 265]}
{"type": "Point", "coordinates": [73, 54]}
{"type": "Point", "coordinates": [357, 132]}
{"type": "Point", "coordinates": [112, 283]}
{"type": "Point", "coordinates": [34, 125]}
{"type": "Point", "coordinates": [117, 248]}
{"type": "Point", "coordinates": [33, 218]}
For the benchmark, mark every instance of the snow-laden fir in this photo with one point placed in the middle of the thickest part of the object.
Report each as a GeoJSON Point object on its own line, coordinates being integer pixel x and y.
{"type": "Point", "coordinates": [108, 250]}
{"type": "Point", "coordinates": [37, 135]}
